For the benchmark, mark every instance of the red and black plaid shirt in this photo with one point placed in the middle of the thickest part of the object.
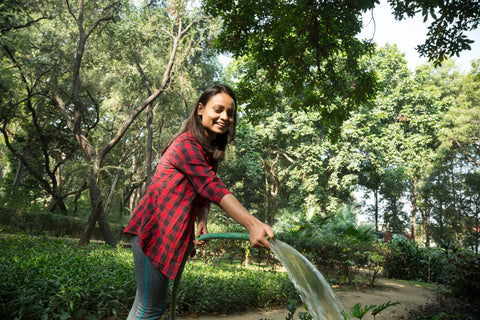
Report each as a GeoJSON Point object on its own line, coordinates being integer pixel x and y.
{"type": "Point", "coordinates": [164, 220]}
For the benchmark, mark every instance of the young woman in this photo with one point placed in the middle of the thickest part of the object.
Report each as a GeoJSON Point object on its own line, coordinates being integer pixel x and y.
{"type": "Point", "coordinates": [184, 185]}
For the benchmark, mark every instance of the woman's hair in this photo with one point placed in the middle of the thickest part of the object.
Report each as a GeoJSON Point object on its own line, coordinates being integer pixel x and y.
{"type": "Point", "coordinates": [215, 149]}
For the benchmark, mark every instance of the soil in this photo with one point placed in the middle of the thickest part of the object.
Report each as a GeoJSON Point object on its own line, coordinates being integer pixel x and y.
{"type": "Point", "coordinates": [409, 296]}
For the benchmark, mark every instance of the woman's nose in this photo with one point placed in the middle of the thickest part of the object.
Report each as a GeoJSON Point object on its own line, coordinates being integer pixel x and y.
{"type": "Point", "coordinates": [224, 116]}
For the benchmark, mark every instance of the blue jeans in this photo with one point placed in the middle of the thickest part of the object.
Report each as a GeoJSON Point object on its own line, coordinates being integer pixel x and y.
{"type": "Point", "coordinates": [152, 287]}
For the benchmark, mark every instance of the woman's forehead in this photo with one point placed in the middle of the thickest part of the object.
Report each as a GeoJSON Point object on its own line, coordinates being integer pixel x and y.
{"type": "Point", "coordinates": [222, 99]}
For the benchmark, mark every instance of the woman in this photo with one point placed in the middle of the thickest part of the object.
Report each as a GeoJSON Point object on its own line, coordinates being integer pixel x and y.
{"type": "Point", "coordinates": [182, 188]}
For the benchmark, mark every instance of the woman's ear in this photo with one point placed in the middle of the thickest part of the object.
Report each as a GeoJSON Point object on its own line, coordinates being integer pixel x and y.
{"type": "Point", "coordinates": [200, 109]}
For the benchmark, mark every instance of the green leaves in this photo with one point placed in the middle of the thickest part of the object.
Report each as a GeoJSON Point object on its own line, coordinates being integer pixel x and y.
{"type": "Point", "coordinates": [314, 60]}
{"type": "Point", "coordinates": [448, 23]}
{"type": "Point", "coordinates": [47, 278]}
{"type": "Point", "coordinates": [358, 312]}
{"type": "Point", "coordinates": [51, 278]}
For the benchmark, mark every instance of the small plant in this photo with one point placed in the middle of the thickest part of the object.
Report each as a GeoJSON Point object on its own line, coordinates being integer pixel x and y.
{"type": "Point", "coordinates": [292, 308]}
{"type": "Point", "coordinates": [305, 315]}
{"type": "Point", "coordinates": [382, 307]}
{"type": "Point", "coordinates": [375, 263]}
{"type": "Point", "coordinates": [357, 311]}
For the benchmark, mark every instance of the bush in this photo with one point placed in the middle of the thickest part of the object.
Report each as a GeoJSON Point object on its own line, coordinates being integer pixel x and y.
{"type": "Point", "coordinates": [462, 274]}
{"type": "Point", "coordinates": [57, 225]}
{"type": "Point", "coordinates": [47, 278]}
{"type": "Point", "coordinates": [335, 244]}
{"type": "Point", "coordinates": [405, 260]}
{"type": "Point", "coordinates": [459, 269]}
{"type": "Point", "coordinates": [231, 289]}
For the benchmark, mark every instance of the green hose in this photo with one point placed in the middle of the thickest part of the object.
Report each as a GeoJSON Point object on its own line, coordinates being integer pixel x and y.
{"type": "Point", "coordinates": [227, 236]}
{"type": "Point", "coordinates": [208, 236]}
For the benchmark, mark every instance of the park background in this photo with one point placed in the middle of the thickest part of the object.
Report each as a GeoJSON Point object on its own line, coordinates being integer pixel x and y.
{"type": "Point", "coordinates": [342, 141]}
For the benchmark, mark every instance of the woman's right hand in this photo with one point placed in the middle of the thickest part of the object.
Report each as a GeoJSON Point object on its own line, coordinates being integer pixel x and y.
{"type": "Point", "coordinates": [258, 230]}
{"type": "Point", "coordinates": [259, 234]}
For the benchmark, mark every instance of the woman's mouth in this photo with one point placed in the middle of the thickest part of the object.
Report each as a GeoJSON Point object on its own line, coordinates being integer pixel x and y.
{"type": "Point", "coordinates": [221, 126]}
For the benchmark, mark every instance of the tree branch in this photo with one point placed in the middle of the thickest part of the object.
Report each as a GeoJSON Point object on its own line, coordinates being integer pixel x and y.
{"type": "Point", "coordinates": [26, 25]}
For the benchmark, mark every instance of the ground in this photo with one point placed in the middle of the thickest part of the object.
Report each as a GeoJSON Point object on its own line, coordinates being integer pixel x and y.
{"type": "Point", "coordinates": [409, 296]}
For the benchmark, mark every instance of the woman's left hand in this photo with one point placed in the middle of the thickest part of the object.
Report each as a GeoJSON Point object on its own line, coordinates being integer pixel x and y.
{"type": "Point", "coordinates": [201, 228]}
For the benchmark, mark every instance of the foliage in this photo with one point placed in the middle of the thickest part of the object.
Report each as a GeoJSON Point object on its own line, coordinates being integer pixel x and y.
{"type": "Point", "coordinates": [448, 22]}
{"type": "Point", "coordinates": [406, 260]}
{"type": "Point", "coordinates": [47, 278]}
{"type": "Point", "coordinates": [375, 264]}
{"type": "Point", "coordinates": [74, 79]}
{"type": "Point", "coordinates": [315, 60]}
{"type": "Point", "coordinates": [447, 308]}
{"type": "Point", "coordinates": [462, 273]}
{"type": "Point", "coordinates": [230, 289]}
{"type": "Point", "coordinates": [357, 311]}
{"type": "Point", "coordinates": [336, 245]}
{"type": "Point", "coordinates": [454, 267]}
{"type": "Point", "coordinates": [40, 223]}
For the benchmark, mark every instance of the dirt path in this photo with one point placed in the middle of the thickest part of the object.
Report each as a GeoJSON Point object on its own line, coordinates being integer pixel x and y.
{"type": "Point", "coordinates": [388, 290]}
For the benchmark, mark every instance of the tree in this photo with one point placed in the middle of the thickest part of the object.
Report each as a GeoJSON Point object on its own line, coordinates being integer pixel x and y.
{"type": "Point", "coordinates": [397, 137]}
{"type": "Point", "coordinates": [445, 37]}
{"type": "Point", "coordinates": [315, 58]}
{"type": "Point", "coordinates": [461, 127]}
{"type": "Point", "coordinates": [283, 163]}
{"type": "Point", "coordinates": [179, 28]}
{"type": "Point", "coordinates": [29, 118]}
{"type": "Point", "coordinates": [94, 99]}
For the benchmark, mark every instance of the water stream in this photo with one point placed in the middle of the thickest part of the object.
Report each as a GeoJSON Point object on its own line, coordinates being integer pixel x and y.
{"type": "Point", "coordinates": [314, 290]}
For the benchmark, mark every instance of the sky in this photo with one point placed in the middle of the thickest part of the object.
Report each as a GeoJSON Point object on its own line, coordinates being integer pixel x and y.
{"type": "Point", "coordinates": [409, 33]}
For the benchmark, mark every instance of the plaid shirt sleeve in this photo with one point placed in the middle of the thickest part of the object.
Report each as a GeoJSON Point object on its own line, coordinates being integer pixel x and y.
{"type": "Point", "coordinates": [190, 159]}
{"type": "Point", "coordinates": [164, 220]}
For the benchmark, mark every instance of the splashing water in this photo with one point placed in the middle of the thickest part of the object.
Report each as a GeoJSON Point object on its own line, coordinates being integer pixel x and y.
{"type": "Point", "coordinates": [314, 290]}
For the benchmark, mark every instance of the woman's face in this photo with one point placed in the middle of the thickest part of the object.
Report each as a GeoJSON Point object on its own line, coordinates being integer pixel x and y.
{"type": "Point", "coordinates": [217, 115]}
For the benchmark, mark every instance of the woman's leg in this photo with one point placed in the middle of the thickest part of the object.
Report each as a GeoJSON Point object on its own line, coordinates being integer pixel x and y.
{"type": "Point", "coordinates": [152, 287]}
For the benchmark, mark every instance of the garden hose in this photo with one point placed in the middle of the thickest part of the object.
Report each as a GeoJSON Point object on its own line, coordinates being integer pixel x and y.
{"type": "Point", "coordinates": [227, 236]}
{"type": "Point", "coordinates": [208, 236]}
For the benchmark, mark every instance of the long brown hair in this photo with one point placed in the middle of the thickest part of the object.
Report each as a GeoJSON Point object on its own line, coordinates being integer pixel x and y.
{"type": "Point", "coordinates": [215, 149]}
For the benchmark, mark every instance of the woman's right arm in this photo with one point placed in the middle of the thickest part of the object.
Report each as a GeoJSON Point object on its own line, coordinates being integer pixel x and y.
{"type": "Point", "coordinates": [257, 229]}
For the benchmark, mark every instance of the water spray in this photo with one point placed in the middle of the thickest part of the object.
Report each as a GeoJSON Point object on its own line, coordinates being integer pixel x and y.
{"type": "Point", "coordinates": [314, 290]}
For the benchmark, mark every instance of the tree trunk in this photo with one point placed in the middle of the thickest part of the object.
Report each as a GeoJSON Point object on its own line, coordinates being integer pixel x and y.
{"type": "Point", "coordinates": [19, 174]}
{"type": "Point", "coordinates": [413, 209]}
{"type": "Point", "coordinates": [148, 153]}
{"type": "Point", "coordinates": [97, 213]}
{"type": "Point", "coordinates": [148, 121]}
{"type": "Point", "coordinates": [112, 192]}
{"type": "Point", "coordinates": [425, 222]}
{"type": "Point", "coordinates": [267, 197]}
{"type": "Point", "coordinates": [375, 196]}
{"type": "Point", "coordinates": [395, 218]}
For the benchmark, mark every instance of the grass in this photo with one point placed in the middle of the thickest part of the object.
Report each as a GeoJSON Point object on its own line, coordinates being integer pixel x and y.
{"type": "Point", "coordinates": [51, 278]}
{"type": "Point", "coordinates": [431, 286]}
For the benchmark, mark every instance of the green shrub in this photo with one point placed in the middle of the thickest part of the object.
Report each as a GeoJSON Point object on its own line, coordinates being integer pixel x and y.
{"type": "Point", "coordinates": [462, 274]}
{"type": "Point", "coordinates": [336, 246]}
{"type": "Point", "coordinates": [229, 289]}
{"type": "Point", "coordinates": [47, 278]}
{"type": "Point", "coordinates": [406, 260]}
{"type": "Point", "coordinates": [57, 225]}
